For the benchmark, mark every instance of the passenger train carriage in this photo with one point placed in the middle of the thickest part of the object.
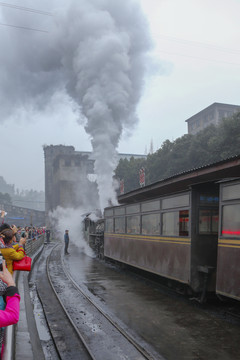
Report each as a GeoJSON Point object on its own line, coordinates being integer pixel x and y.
{"type": "Point", "coordinates": [185, 228]}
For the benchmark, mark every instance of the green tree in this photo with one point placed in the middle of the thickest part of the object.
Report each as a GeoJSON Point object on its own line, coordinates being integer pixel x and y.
{"type": "Point", "coordinates": [185, 153]}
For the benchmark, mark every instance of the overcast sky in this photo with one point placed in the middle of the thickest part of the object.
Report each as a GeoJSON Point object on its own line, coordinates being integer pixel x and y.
{"type": "Point", "coordinates": [195, 62]}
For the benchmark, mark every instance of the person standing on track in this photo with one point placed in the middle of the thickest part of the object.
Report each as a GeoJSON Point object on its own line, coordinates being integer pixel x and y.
{"type": "Point", "coordinates": [66, 239]}
{"type": "Point", "coordinates": [48, 235]}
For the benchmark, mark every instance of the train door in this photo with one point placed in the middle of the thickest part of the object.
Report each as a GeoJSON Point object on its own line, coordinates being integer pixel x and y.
{"type": "Point", "coordinates": [228, 268]}
{"type": "Point", "coordinates": [204, 236]}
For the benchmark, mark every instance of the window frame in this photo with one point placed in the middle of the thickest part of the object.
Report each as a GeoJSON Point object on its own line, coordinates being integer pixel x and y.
{"type": "Point", "coordinates": [177, 210]}
{"type": "Point", "coordinates": [126, 224]}
{"type": "Point", "coordinates": [111, 214]}
{"type": "Point", "coordinates": [105, 225]}
{"type": "Point", "coordinates": [222, 203]}
{"type": "Point", "coordinates": [119, 217]}
{"type": "Point", "coordinates": [212, 209]}
{"type": "Point", "coordinates": [149, 214]}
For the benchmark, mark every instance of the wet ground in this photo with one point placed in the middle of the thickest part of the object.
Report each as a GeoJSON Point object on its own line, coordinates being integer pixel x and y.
{"type": "Point", "coordinates": [175, 328]}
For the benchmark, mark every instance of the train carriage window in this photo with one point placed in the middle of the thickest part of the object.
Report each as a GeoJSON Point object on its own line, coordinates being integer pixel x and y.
{"type": "Point", "coordinates": [208, 221]}
{"type": "Point", "coordinates": [119, 225]}
{"type": "Point", "coordinates": [151, 224]}
{"type": "Point", "coordinates": [119, 211]}
{"type": "Point", "coordinates": [109, 225]}
{"type": "Point", "coordinates": [184, 223]}
{"type": "Point", "coordinates": [131, 209]}
{"type": "Point", "coordinates": [151, 206]}
{"type": "Point", "coordinates": [175, 223]}
{"type": "Point", "coordinates": [176, 201]}
{"type": "Point", "coordinates": [108, 212]}
{"type": "Point", "coordinates": [231, 192]}
{"type": "Point", "coordinates": [230, 220]}
{"type": "Point", "coordinates": [133, 224]}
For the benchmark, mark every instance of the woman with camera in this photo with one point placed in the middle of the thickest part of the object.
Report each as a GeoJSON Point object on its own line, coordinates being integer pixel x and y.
{"type": "Point", "coordinates": [11, 252]}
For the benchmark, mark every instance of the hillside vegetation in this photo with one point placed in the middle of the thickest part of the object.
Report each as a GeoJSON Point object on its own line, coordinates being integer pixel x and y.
{"type": "Point", "coordinates": [187, 152]}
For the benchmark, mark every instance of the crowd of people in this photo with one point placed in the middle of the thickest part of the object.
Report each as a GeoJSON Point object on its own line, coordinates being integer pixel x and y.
{"type": "Point", "coordinates": [12, 242]}
{"type": "Point", "coordinates": [29, 232]}
{"type": "Point", "coordinates": [12, 249]}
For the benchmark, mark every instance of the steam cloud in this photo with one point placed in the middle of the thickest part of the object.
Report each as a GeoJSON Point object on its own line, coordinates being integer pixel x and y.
{"type": "Point", "coordinates": [95, 54]}
{"type": "Point", "coordinates": [65, 219]}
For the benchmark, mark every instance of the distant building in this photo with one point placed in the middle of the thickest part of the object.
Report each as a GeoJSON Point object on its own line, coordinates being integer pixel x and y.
{"type": "Point", "coordinates": [21, 216]}
{"type": "Point", "coordinates": [120, 156]}
{"type": "Point", "coordinates": [68, 173]}
{"type": "Point", "coordinates": [212, 115]}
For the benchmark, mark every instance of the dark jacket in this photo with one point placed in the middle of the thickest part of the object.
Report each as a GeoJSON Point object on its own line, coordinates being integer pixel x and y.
{"type": "Point", "coordinates": [66, 237]}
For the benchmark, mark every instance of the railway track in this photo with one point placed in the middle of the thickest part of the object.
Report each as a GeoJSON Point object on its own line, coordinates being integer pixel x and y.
{"type": "Point", "coordinates": [67, 343]}
{"type": "Point", "coordinates": [78, 326]}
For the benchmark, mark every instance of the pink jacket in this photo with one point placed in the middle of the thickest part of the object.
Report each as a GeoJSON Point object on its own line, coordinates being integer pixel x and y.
{"type": "Point", "coordinates": [10, 315]}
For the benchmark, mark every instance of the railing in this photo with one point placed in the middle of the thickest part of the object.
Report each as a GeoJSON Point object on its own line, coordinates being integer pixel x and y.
{"type": "Point", "coordinates": [31, 246]}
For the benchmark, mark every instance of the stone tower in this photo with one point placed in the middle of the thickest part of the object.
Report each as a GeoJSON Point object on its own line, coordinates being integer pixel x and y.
{"type": "Point", "coordinates": [66, 176]}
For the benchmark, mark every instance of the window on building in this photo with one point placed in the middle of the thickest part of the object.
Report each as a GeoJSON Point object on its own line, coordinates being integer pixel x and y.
{"type": "Point", "coordinates": [77, 162]}
{"type": "Point", "coordinates": [67, 162]}
{"type": "Point", "coordinates": [221, 114]}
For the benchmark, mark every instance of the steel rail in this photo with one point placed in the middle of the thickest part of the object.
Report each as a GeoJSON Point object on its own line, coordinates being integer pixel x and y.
{"type": "Point", "coordinates": [64, 309]}
{"type": "Point", "coordinates": [117, 326]}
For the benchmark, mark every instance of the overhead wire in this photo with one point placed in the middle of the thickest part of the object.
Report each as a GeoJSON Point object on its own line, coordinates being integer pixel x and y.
{"type": "Point", "coordinates": [35, 201]}
{"type": "Point", "coordinates": [193, 42]}
{"type": "Point", "coordinates": [198, 44]}
{"type": "Point", "coordinates": [17, 7]}
{"type": "Point", "coordinates": [24, 28]}
{"type": "Point", "coordinates": [22, 8]}
{"type": "Point", "coordinates": [197, 57]}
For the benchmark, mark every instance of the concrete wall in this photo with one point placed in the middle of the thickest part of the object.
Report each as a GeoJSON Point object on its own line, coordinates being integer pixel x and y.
{"type": "Point", "coordinates": [212, 115]}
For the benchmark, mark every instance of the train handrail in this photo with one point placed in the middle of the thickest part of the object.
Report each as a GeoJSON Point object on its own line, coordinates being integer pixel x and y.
{"type": "Point", "coordinates": [31, 247]}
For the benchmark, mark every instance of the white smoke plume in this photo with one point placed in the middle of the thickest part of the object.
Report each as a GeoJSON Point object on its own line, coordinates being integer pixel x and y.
{"type": "Point", "coordinates": [72, 220]}
{"type": "Point", "coordinates": [94, 53]}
